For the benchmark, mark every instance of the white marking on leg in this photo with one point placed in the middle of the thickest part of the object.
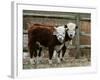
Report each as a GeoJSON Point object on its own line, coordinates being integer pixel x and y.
{"type": "Point", "coordinates": [37, 52]}
{"type": "Point", "coordinates": [50, 61]}
{"type": "Point", "coordinates": [33, 60]}
{"type": "Point", "coordinates": [55, 54]}
{"type": "Point", "coordinates": [58, 60]}
{"type": "Point", "coordinates": [40, 58]}
{"type": "Point", "coordinates": [63, 59]}
{"type": "Point", "coordinates": [70, 42]}
{"type": "Point", "coordinates": [60, 54]}
{"type": "Point", "coordinates": [67, 52]}
{"type": "Point", "coordinates": [37, 60]}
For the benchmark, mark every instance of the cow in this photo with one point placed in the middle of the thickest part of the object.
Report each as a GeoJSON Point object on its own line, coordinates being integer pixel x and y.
{"type": "Point", "coordinates": [51, 37]}
{"type": "Point", "coordinates": [69, 35]}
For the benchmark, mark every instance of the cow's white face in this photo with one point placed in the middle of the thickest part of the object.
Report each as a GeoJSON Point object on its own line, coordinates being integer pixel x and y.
{"type": "Point", "coordinates": [71, 28]}
{"type": "Point", "coordinates": [60, 33]}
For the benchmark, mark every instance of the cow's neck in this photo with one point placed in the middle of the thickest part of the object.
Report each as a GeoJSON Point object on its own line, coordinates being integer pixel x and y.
{"type": "Point", "coordinates": [67, 38]}
{"type": "Point", "coordinates": [57, 42]}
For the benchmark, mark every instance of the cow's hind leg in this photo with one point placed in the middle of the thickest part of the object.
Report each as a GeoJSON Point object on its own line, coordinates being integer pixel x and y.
{"type": "Point", "coordinates": [32, 51]}
{"type": "Point", "coordinates": [51, 49]}
{"type": "Point", "coordinates": [39, 57]}
{"type": "Point", "coordinates": [31, 55]}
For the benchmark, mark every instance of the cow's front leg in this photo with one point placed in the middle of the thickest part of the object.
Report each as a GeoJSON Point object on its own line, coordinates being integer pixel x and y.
{"type": "Point", "coordinates": [39, 57]}
{"type": "Point", "coordinates": [59, 57]}
{"type": "Point", "coordinates": [63, 52]}
{"type": "Point", "coordinates": [51, 49]}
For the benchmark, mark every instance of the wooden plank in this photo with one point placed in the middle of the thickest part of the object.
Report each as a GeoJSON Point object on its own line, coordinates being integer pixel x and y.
{"type": "Point", "coordinates": [81, 46]}
{"type": "Point", "coordinates": [84, 34]}
{"type": "Point", "coordinates": [85, 46]}
{"type": "Point", "coordinates": [53, 16]}
{"type": "Point", "coordinates": [62, 15]}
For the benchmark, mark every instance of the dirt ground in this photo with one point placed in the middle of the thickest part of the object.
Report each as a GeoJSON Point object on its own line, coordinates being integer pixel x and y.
{"type": "Point", "coordinates": [68, 62]}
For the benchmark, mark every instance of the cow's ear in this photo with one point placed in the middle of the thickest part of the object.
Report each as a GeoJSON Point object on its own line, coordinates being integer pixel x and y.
{"type": "Point", "coordinates": [76, 27]}
{"type": "Point", "coordinates": [55, 31]}
{"type": "Point", "coordinates": [65, 26]}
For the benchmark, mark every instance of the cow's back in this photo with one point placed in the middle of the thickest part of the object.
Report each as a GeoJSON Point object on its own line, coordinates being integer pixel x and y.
{"type": "Point", "coordinates": [41, 33]}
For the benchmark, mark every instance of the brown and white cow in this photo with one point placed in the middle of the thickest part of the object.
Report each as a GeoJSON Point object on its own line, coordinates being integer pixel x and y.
{"type": "Point", "coordinates": [69, 35]}
{"type": "Point", "coordinates": [54, 38]}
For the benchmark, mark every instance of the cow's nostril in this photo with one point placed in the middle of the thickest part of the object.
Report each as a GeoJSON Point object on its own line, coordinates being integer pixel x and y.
{"type": "Point", "coordinates": [70, 35]}
{"type": "Point", "coordinates": [60, 39]}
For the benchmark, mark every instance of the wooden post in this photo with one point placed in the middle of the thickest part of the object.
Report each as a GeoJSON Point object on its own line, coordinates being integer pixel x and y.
{"type": "Point", "coordinates": [77, 36]}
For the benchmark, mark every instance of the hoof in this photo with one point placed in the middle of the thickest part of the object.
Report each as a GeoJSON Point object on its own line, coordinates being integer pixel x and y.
{"type": "Point", "coordinates": [58, 60]}
{"type": "Point", "coordinates": [62, 59]}
{"type": "Point", "coordinates": [50, 61]}
{"type": "Point", "coordinates": [32, 61]}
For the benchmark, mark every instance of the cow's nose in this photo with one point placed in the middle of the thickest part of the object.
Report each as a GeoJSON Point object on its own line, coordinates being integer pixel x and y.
{"type": "Point", "coordinates": [70, 35]}
{"type": "Point", "coordinates": [60, 39]}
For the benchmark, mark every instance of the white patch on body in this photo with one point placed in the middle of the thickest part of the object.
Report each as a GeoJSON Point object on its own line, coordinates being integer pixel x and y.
{"type": "Point", "coordinates": [58, 47]}
{"type": "Point", "coordinates": [38, 43]}
{"type": "Point", "coordinates": [71, 29]}
{"type": "Point", "coordinates": [60, 33]}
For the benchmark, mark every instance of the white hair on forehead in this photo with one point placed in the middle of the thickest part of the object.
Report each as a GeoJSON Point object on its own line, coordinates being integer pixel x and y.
{"type": "Point", "coordinates": [71, 26]}
{"type": "Point", "coordinates": [60, 33]}
{"type": "Point", "coordinates": [60, 29]}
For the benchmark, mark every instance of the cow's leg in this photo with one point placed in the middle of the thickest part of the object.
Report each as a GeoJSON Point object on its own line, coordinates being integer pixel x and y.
{"type": "Point", "coordinates": [55, 54]}
{"type": "Point", "coordinates": [30, 47]}
{"type": "Point", "coordinates": [39, 58]}
{"type": "Point", "coordinates": [63, 52]}
{"type": "Point", "coordinates": [31, 51]}
{"type": "Point", "coordinates": [51, 49]}
{"type": "Point", "coordinates": [59, 57]}
{"type": "Point", "coordinates": [35, 55]}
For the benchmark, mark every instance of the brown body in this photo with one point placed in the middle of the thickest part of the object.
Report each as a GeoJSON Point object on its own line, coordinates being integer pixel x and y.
{"type": "Point", "coordinates": [44, 35]}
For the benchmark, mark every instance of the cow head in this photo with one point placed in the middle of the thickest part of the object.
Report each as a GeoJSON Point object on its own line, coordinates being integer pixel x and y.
{"type": "Point", "coordinates": [60, 33]}
{"type": "Point", "coordinates": [71, 29]}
